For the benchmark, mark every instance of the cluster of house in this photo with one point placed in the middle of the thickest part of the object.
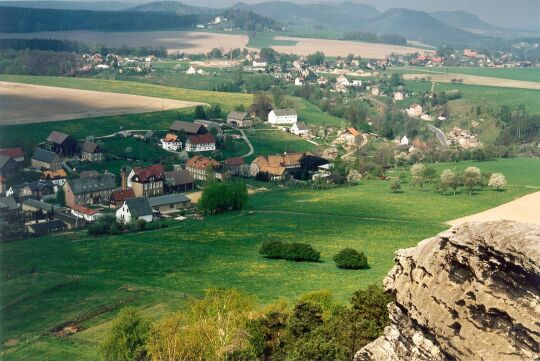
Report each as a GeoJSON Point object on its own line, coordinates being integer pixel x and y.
{"type": "Point", "coordinates": [287, 119]}
{"type": "Point", "coordinates": [124, 64]}
{"type": "Point", "coordinates": [196, 136]}
{"type": "Point", "coordinates": [462, 138]}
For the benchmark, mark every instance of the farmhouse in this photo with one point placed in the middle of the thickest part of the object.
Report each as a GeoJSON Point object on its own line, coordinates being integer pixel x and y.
{"type": "Point", "coordinates": [147, 181]}
{"type": "Point", "coordinates": [171, 142]}
{"type": "Point", "coordinates": [398, 96]}
{"type": "Point", "coordinates": [179, 181]}
{"type": "Point", "coordinates": [35, 190]}
{"type": "Point", "coordinates": [415, 110]}
{"type": "Point", "coordinates": [200, 167]}
{"type": "Point", "coordinates": [119, 196]}
{"type": "Point", "coordinates": [88, 214]}
{"type": "Point", "coordinates": [342, 80]}
{"type": "Point", "coordinates": [134, 209]}
{"type": "Point", "coordinates": [61, 143]}
{"type": "Point", "coordinates": [300, 128]}
{"type": "Point", "coordinates": [16, 153]}
{"type": "Point", "coordinates": [169, 202]}
{"type": "Point", "coordinates": [91, 152]}
{"type": "Point", "coordinates": [201, 143]}
{"type": "Point", "coordinates": [375, 91]}
{"type": "Point", "coordinates": [91, 190]}
{"type": "Point", "coordinates": [187, 128]}
{"type": "Point", "coordinates": [191, 70]}
{"type": "Point", "coordinates": [282, 116]}
{"type": "Point", "coordinates": [350, 136]}
{"type": "Point", "coordinates": [44, 159]}
{"type": "Point", "coordinates": [57, 177]}
{"type": "Point", "coordinates": [234, 165]}
{"type": "Point", "coordinates": [239, 119]}
{"type": "Point", "coordinates": [276, 166]}
{"type": "Point", "coordinates": [259, 63]}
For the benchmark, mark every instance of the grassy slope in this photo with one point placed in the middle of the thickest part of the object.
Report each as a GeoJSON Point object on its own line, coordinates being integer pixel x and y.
{"type": "Point", "coordinates": [274, 141]}
{"type": "Point", "coordinates": [222, 251]}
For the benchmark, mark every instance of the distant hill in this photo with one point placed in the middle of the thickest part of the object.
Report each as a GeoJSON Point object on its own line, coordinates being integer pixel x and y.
{"type": "Point", "coordinates": [175, 7]}
{"type": "Point", "coordinates": [22, 20]}
{"type": "Point", "coordinates": [462, 19]}
{"type": "Point", "coordinates": [69, 5]}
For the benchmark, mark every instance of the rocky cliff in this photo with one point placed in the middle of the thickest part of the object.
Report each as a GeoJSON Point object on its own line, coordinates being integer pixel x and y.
{"type": "Point", "coordinates": [470, 293]}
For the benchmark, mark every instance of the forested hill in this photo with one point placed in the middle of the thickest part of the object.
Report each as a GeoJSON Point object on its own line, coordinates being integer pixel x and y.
{"type": "Point", "coordinates": [20, 20]}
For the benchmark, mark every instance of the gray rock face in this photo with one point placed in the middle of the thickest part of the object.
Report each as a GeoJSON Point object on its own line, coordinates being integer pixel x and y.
{"type": "Point", "coordinates": [470, 293]}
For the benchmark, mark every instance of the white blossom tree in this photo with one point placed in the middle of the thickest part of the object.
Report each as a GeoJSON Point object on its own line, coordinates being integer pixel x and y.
{"type": "Point", "coordinates": [497, 181]}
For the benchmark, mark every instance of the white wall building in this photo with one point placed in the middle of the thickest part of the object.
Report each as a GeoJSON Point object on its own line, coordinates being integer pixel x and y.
{"type": "Point", "coordinates": [135, 209]}
{"type": "Point", "coordinates": [282, 116]}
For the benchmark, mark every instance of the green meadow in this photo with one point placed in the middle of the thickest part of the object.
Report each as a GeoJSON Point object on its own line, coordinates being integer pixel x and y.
{"type": "Point", "coordinates": [50, 280]}
{"type": "Point", "coordinates": [526, 74]}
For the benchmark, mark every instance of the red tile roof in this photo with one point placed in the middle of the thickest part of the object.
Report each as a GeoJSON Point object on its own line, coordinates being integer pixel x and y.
{"type": "Point", "coordinates": [122, 195]}
{"type": "Point", "coordinates": [201, 139]}
{"type": "Point", "coordinates": [12, 152]}
{"type": "Point", "coordinates": [83, 209]}
{"type": "Point", "coordinates": [145, 173]}
{"type": "Point", "coordinates": [236, 161]}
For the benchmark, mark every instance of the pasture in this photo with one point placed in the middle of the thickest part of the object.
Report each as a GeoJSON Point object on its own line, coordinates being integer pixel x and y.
{"type": "Point", "coordinates": [49, 280]}
{"type": "Point", "coordinates": [525, 74]}
{"type": "Point", "coordinates": [478, 80]}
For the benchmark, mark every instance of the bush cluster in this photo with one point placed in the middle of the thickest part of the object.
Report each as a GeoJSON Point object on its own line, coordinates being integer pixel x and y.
{"type": "Point", "coordinates": [299, 252]}
{"type": "Point", "coordinates": [349, 258]}
{"type": "Point", "coordinates": [220, 197]}
{"type": "Point", "coordinates": [109, 225]}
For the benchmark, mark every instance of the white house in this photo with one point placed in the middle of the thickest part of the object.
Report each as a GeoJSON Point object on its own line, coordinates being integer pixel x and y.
{"type": "Point", "coordinates": [375, 91]}
{"type": "Point", "coordinates": [201, 143]}
{"type": "Point", "coordinates": [426, 117]}
{"type": "Point", "coordinates": [356, 83]}
{"type": "Point", "coordinates": [300, 128]}
{"type": "Point", "coordinates": [135, 209]}
{"type": "Point", "coordinates": [85, 213]}
{"type": "Point", "coordinates": [404, 140]}
{"type": "Point", "coordinates": [298, 81]}
{"type": "Point", "coordinates": [192, 70]}
{"type": "Point", "coordinates": [282, 116]}
{"type": "Point", "coordinates": [342, 80]}
{"type": "Point", "coordinates": [171, 142]}
{"type": "Point", "coordinates": [259, 63]}
{"type": "Point", "coordinates": [415, 110]}
{"type": "Point", "coordinates": [398, 96]}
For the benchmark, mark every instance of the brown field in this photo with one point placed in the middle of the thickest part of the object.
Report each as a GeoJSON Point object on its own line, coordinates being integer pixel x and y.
{"type": "Point", "coordinates": [477, 80]}
{"type": "Point", "coordinates": [524, 209]}
{"type": "Point", "coordinates": [306, 46]}
{"type": "Point", "coordinates": [191, 42]}
{"type": "Point", "coordinates": [25, 103]}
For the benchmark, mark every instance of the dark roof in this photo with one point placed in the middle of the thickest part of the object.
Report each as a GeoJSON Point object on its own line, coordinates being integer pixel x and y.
{"type": "Point", "coordinates": [8, 203]}
{"type": "Point", "coordinates": [43, 155]}
{"type": "Point", "coordinates": [237, 115]}
{"type": "Point", "coordinates": [189, 128]}
{"type": "Point", "coordinates": [284, 112]}
{"type": "Point", "coordinates": [36, 186]}
{"type": "Point", "coordinates": [12, 152]}
{"type": "Point", "coordinates": [4, 159]}
{"type": "Point", "coordinates": [201, 139]}
{"type": "Point", "coordinates": [122, 195]}
{"type": "Point", "coordinates": [236, 161]}
{"type": "Point", "coordinates": [45, 226]}
{"type": "Point", "coordinates": [145, 173]}
{"type": "Point", "coordinates": [89, 174]}
{"type": "Point", "coordinates": [85, 185]}
{"type": "Point", "coordinates": [179, 177]}
{"type": "Point", "coordinates": [91, 147]}
{"type": "Point", "coordinates": [312, 162]}
{"type": "Point", "coordinates": [168, 199]}
{"type": "Point", "coordinates": [301, 125]}
{"type": "Point", "coordinates": [139, 207]}
{"type": "Point", "coordinates": [57, 137]}
{"type": "Point", "coordinates": [39, 205]}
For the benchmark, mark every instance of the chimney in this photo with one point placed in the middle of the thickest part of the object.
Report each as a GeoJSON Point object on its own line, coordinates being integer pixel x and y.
{"type": "Point", "coordinates": [124, 178]}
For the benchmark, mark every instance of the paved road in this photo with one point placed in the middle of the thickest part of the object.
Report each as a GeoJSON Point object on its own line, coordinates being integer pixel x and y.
{"type": "Point", "coordinates": [251, 149]}
{"type": "Point", "coordinates": [440, 135]}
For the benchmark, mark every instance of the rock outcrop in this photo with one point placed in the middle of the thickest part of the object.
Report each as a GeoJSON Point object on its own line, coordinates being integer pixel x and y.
{"type": "Point", "coordinates": [470, 293]}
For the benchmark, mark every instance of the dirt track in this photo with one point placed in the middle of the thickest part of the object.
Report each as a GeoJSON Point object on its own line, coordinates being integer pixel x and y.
{"type": "Point", "coordinates": [26, 103]}
{"type": "Point", "coordinates": [525, 209]}
{"type": "Point", "coordinates": [477, 80]}
{"type": "Point", "coordinates": [306, 46]}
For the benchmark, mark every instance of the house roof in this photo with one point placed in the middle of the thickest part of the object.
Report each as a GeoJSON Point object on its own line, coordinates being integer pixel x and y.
{"type": "Point", "coordinates": [189, 128]}
{"type": "Point", "coordinates": [8, 203]}
{"type": "Point", "coordinates": [44, 226]}
{"type": "Point", "coordinates": [37, 185]}
{"type": "Point", "coordinates": [168, 199]}
{"type": "Point", "coordinates": [144, 173]}
{"type": "Point", "coordinates": [170, 137]}
{"type": "Point", "coordinates": [414, 105]}
{"type": "Point", "coordinates": [234, 162]}
{"type": "Point", "coordinates": [206, 138]}
{"type": "Point", "coordinates": [43, 155]}
{"type": "Point", "coordinates": [57, 137]}
{"type": "Point", "coordinates": [277, 164]}
{"type": "Point", "coordinates": [12, 152]}
{"type": "Point", "coordinates": [122, 194]}
{"type": "Point", "coordinates": [40, 205]}
{"type": "Point", "coordinates": [89, 174]}
{"type": "Point", "coordinates": [84, 210]}
{"type": "Point", "coordinates": [237, 115]}
{"type": "Point", "coordinates": [91, 147]}
{"type": "Point", "coordinates": [55, 174]}
{"type": "Point", "coordinates": [284, 112]}
{"type": "Point", "coordinates": [201, 162]}
{"type": "Point", "coordinates": [179, 177]}
{"type": "Point", "coordinates": [139, 207]}
{"type": "Point", "coordinates": [353, 131]}
{"type": "Point", "coordinates": [85, 185]}
{"type": "Point", "coordinates": [301, 125]}
{"type": "Point", "coordinates": [4, 159]}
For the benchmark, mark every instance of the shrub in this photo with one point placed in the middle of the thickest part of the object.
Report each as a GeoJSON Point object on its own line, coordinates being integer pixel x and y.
{"type": "Point", "coordinates": [299, 252]}
{"type": "Point", "coordinates": [349, 258]}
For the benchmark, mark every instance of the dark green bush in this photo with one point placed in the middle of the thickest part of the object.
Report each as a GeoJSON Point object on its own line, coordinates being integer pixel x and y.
{"type": "Point", "coordinates": [299, 252]}
{"type": "Point", "coordinates": [349, 258]}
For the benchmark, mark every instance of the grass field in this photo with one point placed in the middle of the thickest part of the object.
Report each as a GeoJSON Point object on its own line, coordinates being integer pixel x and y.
{"type": "Point", "coordinates": [266, 40]}
{"type": "Point", "coordinates": [526, 74]}
{"type": "Point", "coordinates": [48, 280]}
{"type": "Point", "coordinates": [312, 115]}
{"type": "Point", "coordinates": [273, 141]}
